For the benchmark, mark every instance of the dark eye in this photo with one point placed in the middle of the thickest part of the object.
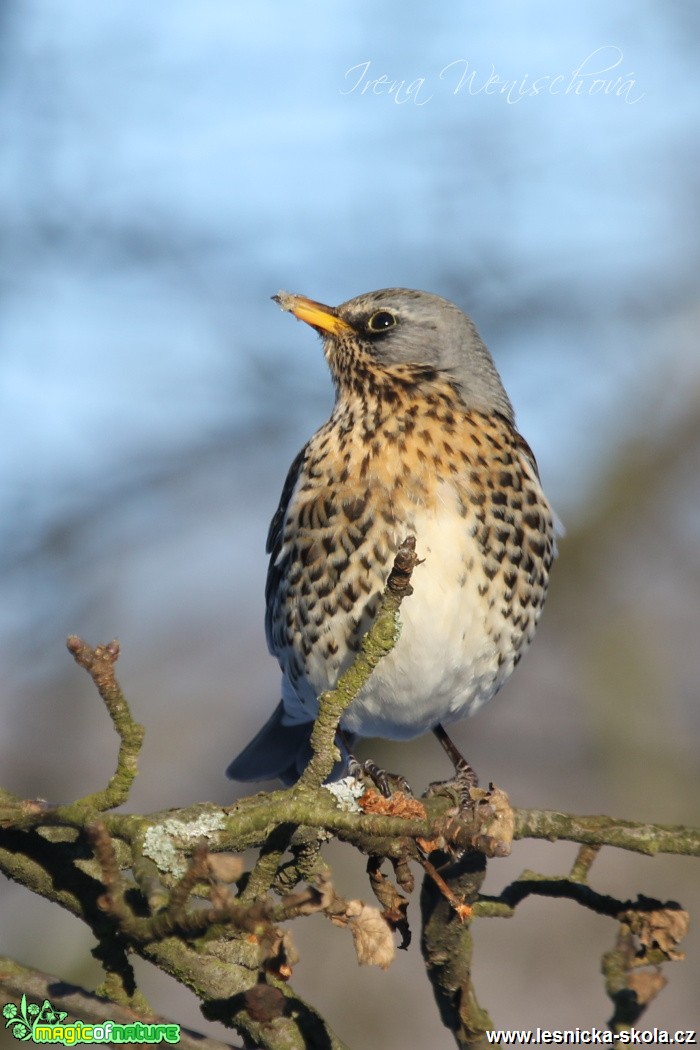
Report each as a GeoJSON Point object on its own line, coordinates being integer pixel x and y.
{"type": "Point", "coordinates": [382, 320]}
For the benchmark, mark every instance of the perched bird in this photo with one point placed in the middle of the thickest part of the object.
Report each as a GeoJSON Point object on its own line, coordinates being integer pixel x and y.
{"type": "Point", "coordinates": [421, 442]}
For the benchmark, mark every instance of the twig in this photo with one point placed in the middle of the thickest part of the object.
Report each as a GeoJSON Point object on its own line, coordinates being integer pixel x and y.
{"type": "Point", "coordinates": [460, 907]}
{"type": "Point", "coordinates": [99, 663]}
{"type": "Point", "coordinates": [379, 640]}
{"type": "Point", "coordinates": [584, 861]}
{"type": "Point", "coordinates": [649, 839]}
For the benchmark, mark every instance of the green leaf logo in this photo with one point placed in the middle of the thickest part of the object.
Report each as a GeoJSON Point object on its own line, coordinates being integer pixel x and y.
{"type": "Point", "coordinates": [21, 1019]}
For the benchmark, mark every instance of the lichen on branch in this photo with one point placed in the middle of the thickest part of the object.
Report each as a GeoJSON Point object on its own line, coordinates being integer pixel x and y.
{"type": "Point", "coordinates": [170, 886]}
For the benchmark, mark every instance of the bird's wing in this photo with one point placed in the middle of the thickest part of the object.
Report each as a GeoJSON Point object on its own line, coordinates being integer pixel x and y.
{"type": "Point", "coordinates": [275, 540]}
{"type": "Point", "coordinates": [525, 450]}
{"type": "Point", "coordinates": [522, 446]}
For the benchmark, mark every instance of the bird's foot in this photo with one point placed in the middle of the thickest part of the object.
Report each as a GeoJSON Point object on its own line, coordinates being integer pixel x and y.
{"type": "Point", "coordinates": [385, 783]}
{"type": "Point", "coordinates": [456, 787]}
{"type": "Point", "coordinates": [465, 777]}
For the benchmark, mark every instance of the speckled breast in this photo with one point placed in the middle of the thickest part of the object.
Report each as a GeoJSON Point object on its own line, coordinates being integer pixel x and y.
{"type": "Point", "coordinates": [466, 486]}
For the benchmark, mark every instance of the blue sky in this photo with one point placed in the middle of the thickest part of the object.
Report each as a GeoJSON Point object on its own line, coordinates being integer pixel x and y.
{"type": "Point", "coordinates": [166, 168]}
{"type": "Point", "coordinates": [163, 175]}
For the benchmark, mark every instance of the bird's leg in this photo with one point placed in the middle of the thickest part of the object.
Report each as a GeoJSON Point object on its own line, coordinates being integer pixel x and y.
{"type": "Point", "coordinates": [386, 783]}
{"type": "Point", "coordinates": [465, 777]}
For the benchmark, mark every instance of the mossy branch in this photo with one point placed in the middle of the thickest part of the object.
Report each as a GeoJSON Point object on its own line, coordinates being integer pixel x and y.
{"type": "Point", "coordinates": [99, 663]}
{"type": "Point", "coordinates": [649, 839]}
{"type": "Point", "coordinates": [377, 643]}
{"type": "Point", "coordinates": [162, 885]}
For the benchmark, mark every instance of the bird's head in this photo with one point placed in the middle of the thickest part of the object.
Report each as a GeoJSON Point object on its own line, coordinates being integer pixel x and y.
{"type": "Point", "coordinates": [400, 326]}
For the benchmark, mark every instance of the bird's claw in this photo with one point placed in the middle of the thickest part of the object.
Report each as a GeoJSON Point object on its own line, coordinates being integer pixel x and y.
{"type": "Point", "coordinates": [386, 783]}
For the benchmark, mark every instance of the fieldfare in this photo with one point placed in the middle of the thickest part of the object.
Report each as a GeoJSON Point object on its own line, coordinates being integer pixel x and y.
{"type": "Point", "coordinates": [421, 442]}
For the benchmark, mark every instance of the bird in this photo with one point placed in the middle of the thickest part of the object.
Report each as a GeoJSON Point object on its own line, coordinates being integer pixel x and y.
{"type": "Point", "coordinates": [421, 441]}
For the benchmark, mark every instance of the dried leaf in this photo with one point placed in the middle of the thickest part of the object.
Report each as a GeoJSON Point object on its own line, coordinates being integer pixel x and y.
{"type": "Point", "coordinates": [404, 875]}
{"type": "Point", "coordinates": [397, 805]}
{"type": "Point", "coordinates": [646, 984]}
{"type": "Point", "coordinates": [373, 940]}
{"type": "Point", "coordinates": [662, 928]}
{"type": "Point", "coordinates": [384, 889]}
{"type": "Point", "coordinates": [394, 904]}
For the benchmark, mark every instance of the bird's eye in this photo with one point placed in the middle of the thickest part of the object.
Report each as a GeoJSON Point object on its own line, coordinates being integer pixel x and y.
{"type": "Point", "coordinates": [381, 321]}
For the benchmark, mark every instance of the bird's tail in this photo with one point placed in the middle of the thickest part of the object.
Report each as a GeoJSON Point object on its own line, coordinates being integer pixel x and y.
{"type": "Point", "coordinates": [282, 752]}
{"type": "Point", "coordinates": [276, 752]}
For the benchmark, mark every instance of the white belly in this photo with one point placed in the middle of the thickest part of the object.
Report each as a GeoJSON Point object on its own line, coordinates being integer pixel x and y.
{"type": "Point", "coordinates": [446, 661]}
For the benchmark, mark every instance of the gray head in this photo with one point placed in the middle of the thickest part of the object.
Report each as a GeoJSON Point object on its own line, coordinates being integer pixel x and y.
{"type": "Point", "coordinates": [403, 326]}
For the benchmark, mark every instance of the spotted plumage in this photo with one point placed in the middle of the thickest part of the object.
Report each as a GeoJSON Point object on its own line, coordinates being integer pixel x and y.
{"type": "Point", "coordinates": [421, 441]}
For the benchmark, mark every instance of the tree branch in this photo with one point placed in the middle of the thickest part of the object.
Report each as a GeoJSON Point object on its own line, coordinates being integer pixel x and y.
{"type": "Point", "coordinates": [181, 911]}
{"type": "Point", "coordinates": [99, 663]}
{"type": "Point", "coordinates": [379, 640]}
{"type": "Point", "coordinates": [447, 950]}
{"type": "Point", "coordinates": [650, 839]}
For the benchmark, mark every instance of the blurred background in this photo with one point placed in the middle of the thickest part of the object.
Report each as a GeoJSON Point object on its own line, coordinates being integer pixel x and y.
{"type": "Point", "coordinates": [165, 168]}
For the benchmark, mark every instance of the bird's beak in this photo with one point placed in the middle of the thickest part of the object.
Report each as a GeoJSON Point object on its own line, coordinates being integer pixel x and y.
{"type": "Point", "coordinates": [322, 318]}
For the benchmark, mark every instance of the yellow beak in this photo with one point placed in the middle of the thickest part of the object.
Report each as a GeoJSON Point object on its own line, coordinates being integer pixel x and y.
{"type": "Point", "coordinates": [323, 318]}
